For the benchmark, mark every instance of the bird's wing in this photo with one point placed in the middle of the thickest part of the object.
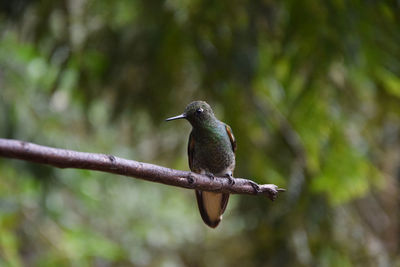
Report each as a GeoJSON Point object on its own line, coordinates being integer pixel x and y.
{"type": "Point", "coordinates": [190, 151]}
{"type": "Point", "coordinates": [231, 137]}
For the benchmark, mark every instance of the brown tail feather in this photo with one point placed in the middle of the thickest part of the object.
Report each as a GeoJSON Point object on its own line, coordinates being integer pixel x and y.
{"type": "Point", "coordinates": [211, 206]}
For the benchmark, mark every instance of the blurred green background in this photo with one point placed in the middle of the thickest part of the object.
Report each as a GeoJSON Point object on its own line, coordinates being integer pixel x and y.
{"type": "Point", "coordinates": [311, 90]}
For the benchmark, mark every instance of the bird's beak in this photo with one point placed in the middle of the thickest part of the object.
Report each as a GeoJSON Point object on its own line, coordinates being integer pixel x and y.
{"type": "Point", "coordinates": [182, 116]}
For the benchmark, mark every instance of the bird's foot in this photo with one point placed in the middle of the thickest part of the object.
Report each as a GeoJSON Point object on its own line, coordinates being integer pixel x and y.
{"type": "Point", "coordinates": [255, 186]}
{"type": "Point", "coordinates": [230, 178]}
{"type": "Point", "coordinates": [210, 175]}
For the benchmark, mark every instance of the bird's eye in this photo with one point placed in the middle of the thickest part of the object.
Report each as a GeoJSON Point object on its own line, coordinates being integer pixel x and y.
{"type": "Point", "coordinates": [199, 110]}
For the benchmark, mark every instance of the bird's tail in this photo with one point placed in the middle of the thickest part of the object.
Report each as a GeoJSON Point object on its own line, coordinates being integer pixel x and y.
{"type": "Point", "coordinates": [212, 206]}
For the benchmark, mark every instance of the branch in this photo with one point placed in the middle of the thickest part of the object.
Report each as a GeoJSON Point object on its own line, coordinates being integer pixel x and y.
{"type": "Point", "coordinates": [63, 158]}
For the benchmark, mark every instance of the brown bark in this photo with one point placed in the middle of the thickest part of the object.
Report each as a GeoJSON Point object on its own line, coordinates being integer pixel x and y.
{"type": "Point", "coordinates": [63, 158]}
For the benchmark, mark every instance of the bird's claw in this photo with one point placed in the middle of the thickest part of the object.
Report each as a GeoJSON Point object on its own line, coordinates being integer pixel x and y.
{"type": "Point", "coordinates": [255, 187]}
{"type": "Point", "coordinates": [210, 175]}
{"type": "Point", "coordinates": [231, 180]}
{"type": "Point", "coordinates": [190, 178]}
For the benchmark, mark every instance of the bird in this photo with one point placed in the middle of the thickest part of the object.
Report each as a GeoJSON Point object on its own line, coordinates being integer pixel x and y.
{"type": "Point", "coordinates": [211, 151]}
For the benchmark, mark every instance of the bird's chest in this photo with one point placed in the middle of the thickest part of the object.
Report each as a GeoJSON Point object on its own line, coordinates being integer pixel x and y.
{"type": "Point", "coordinates": [213, 154]}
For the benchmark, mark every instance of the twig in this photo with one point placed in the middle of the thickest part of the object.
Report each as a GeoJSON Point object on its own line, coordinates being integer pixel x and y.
{"type": "Point", "coordinates": [63, 158]}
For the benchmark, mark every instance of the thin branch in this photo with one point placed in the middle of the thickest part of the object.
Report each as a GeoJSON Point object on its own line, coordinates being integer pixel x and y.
{"type": "Point", "coordinates": [63, 158]}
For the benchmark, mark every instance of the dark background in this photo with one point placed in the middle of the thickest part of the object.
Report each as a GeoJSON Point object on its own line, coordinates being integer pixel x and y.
{"type": "Point", "coordinates": [311, 90]}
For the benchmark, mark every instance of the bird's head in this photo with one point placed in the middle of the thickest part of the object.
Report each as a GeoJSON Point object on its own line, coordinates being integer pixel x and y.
{"type": "Point", "coordinates": [198, 113]}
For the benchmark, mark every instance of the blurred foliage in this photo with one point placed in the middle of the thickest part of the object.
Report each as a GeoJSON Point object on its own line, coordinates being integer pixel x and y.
{"type": "Point", "coordinates": [311, 90]}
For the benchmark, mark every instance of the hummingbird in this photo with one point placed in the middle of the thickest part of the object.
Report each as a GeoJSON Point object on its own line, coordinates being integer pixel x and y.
{"type": "Point", "coordinates": [211, 151]}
